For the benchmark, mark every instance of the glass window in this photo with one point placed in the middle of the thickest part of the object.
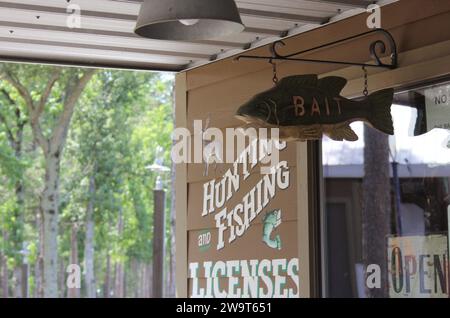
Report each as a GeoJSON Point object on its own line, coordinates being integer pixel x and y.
{"type": "Point", "coordinates": [387, 202]}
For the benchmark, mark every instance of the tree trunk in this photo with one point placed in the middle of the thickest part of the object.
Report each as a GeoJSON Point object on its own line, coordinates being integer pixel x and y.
{"type": "Point", "coordinates": [376, 208]}
{"type": "Point", "coordinates": [119, 276]}
{"type": "Point", "coordinates": [52, 149]}
{"type": "Point", "coordinates": [171, 279]}
{"type": "Point", "coordinates": [107, 282]}
{"type": "Point", "coordinates": [142, 280]}
{"type": "Point", "coordinates": [136, 277]}
{"type": "Point", "coordinates": [21, 281]}
{"type": "Point", "coordinates": [171, 290]}
{"type": "Point", "coordinates": [135, 274]}
{"type": "Point", "coordinates": [139, 280]}
{"type": "Point", "coordinates": [74, 292]}
{"type": "Point", "coordinates": [4, 273]}
{"type": "Point", "coordinates": [119, 284]}
{"type": "Point", "coordinates": [18, 281]}
{"type": "Point", "coordinates": [38, 278]}
{"type": "Point", "coordinates": [25, 276]}
{"type": "Point", "coordinates": [116, 280]}
{"type": "Point", "coordinates": [5, 280]}
{"type": "Point", "coordinates": [124, 282]}
{"type": "Point", "coordinates": [62, 278]}
{"type": "Point", "coordinates": [89, 242]}
{"type": "Point", "coordinates": [19, 212]}
{"type": "Point", "coordinates": [39, 266]}
{"type": "Point", "coordinates": [1, 273]}
{"type": "Point", "coordinates": [15, 139]}
{"type": "Point", "coordinates": [49, 209]}
{"type": "Point", "coordinates": [150, 280]}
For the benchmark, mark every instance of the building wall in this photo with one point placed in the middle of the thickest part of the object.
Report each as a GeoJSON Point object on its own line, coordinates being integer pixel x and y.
{"type": "Point", "coordinates": [421, 29]}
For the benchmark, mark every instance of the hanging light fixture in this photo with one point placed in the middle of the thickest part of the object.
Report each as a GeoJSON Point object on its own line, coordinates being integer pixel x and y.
{"type": "Point", "coordinates": [188, 19]}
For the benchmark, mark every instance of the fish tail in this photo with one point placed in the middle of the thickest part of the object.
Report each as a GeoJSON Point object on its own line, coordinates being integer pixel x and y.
{"type": "Point", "coordinates": [380, 110]}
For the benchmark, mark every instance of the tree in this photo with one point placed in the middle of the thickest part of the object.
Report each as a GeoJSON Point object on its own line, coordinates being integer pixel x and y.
{"type": "Point", "coordinates": [153, 130]}
{"type": "Point", "coordinates": [376, 207]}
{"type": "Point", "coordinates": [12, 122]}
{"type": "Point", "coordinates": [99, 142]}
{"type": "Point", "coordinates": [103, 201]}
{"type": "Point", "coordinates": [50, 132]}
{"type": "Point", "coordinates": [109, 181]}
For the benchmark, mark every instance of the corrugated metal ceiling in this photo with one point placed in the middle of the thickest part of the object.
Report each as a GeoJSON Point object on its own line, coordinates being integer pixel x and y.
{"type": "Point", "coordinates": [37, 30]}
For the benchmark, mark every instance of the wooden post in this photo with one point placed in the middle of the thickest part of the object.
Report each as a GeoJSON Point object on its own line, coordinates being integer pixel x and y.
{"type": "Point", "coordinates": [159, 197]}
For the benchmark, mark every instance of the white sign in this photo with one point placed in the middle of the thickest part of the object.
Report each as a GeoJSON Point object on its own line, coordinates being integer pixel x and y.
{"type": "Point", "coordinates": [233, 223]}
{"type": "Point", "coordinates": [418, 266]}
{"type": "Point", "coordinates": [437, 102]}
{"type": "Point", "coordinates": [276, 278]}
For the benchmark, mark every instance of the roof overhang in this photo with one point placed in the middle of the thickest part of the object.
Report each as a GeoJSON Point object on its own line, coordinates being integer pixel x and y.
{"type": "Point", "coordinates": [45, 31]}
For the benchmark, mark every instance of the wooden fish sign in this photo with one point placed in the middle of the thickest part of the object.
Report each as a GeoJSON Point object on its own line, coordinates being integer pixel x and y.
{"type": "Point", "coordinates": [305, 108]}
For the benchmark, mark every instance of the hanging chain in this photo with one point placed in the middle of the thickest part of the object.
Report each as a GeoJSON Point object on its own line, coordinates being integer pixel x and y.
{"type": "Point", "coordinates": [366, 82]}
{"type": "Point", "coordinates": [274, 70]}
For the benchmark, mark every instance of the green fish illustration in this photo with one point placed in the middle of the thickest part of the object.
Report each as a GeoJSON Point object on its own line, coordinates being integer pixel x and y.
{"type": "Point", "coordinates": [305, 108]}
{"type": "Point", "coordinates": [271, 221]}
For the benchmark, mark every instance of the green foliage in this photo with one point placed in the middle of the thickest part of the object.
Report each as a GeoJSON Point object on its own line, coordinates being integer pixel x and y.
{"type": "Point", "coordinates": [119, 121]}
{"type": "Point", "coordinates": [11, 168]}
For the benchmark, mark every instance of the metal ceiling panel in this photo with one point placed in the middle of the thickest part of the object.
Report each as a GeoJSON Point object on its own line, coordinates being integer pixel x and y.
{"type": "Point", "coordinates": [37, 30]}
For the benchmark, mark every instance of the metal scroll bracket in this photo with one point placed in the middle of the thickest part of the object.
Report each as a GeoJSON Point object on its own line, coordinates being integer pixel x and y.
{"type": "Point", "coordinates": [377, 47]}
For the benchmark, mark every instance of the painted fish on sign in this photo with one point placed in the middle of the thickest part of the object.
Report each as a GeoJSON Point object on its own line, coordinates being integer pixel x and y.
{"type": "Point", "coordinates": [305, 108]}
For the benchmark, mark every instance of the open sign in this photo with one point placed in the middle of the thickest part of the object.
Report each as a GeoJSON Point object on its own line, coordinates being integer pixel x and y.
{"type": "Point", "coordinates": [418, 266]}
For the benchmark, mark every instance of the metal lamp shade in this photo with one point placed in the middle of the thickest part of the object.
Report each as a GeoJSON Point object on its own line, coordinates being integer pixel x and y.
{"type": "Point", "coordinates": [200, 19]}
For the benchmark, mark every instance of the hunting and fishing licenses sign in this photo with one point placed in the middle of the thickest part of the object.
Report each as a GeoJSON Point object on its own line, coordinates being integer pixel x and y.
{"type": "Point", "coordinates": [418, 266]}
{"type": "Point", "coordinates": [242, 238]}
